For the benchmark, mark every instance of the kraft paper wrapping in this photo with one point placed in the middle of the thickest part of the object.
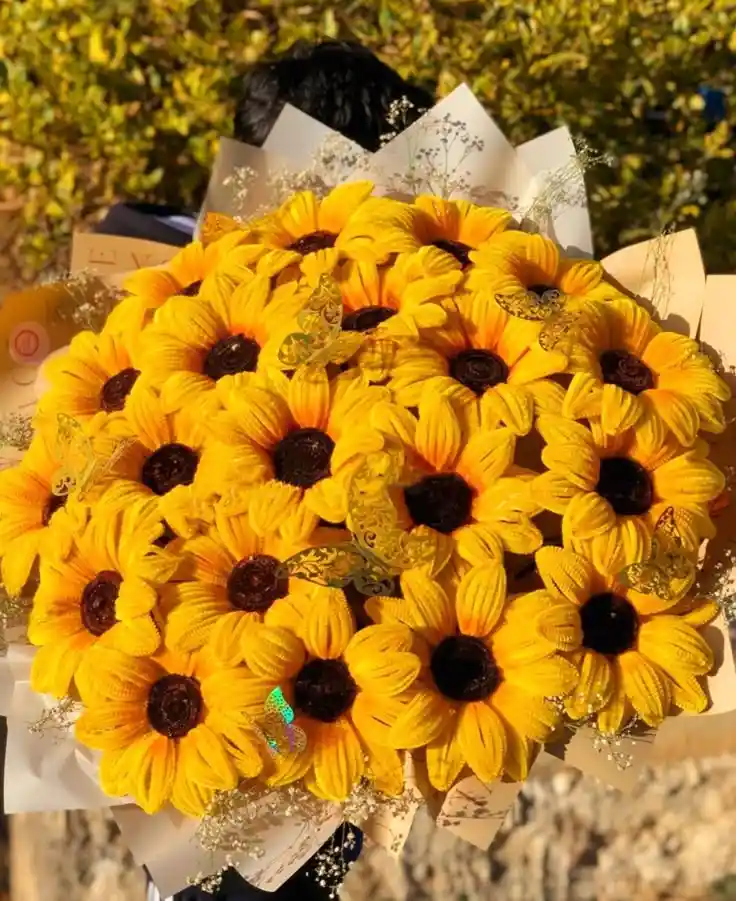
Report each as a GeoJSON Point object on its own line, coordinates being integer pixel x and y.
{"type": "Point", "coordinates": [110, 255]}
{"type": "Point", "coordinates": [517, 177]}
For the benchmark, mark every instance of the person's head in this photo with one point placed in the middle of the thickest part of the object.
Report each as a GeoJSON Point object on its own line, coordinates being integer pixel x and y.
{"type": "Point", "coordinates": [339, 83]}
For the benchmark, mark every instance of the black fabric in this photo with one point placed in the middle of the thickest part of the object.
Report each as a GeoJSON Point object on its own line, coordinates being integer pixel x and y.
{"type": "Point", "coordinates": [301, 887]}
{"type": "Point", "coordinates": [146, 221]}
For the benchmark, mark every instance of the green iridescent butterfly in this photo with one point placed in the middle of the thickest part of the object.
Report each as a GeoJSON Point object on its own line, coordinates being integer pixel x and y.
{"type": "Point", "coordinates": [277, 727]}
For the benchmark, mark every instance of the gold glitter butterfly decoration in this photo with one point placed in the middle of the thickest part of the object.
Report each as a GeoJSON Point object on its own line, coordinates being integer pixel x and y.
{"type": "Point", "coordinates": [338, 565]}
{"type": "Point", "coordinates": [548, 306]}
{"type": "Point", "coordinates": [668, 563]}
{"type": "Point", "coordinates": [81, 466]}
{"type": "Point", "coordinates": [277, 727]}
{"type": "Point", "coordinates": [216, 226]}
{"type": "Point", "coordinates": [374, 518]}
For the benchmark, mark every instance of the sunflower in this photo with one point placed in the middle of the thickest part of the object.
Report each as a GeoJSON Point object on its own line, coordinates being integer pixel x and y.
{"type": "Point", "coordinates": [192, 267]}
{"type": "Point", "coordinates": [517, 262]}
{"type": "Point", "coordinates": [235, 580]}
{"type": "Point", "coordinates": [637, 653]}
{"type": "Point", "coordinates": [196, 348]}
{"type": "Point", "coordinates": [612, 491]}
{"type": "Point", "coordinates": [172, 728]}
{"type": "Point", "coordinates": [162, 456]}
{"type": "Point", "coordinates": [459, 483]}
{"type": "Point", "coordinates": [403, 295]}
{"type": "Point", "coordinates": [455, 227]}
{"type": "Point", "coordinates": [489, 363]}
{"type": "Point", "coordinates": [292, 442]}
{"type": "Point", "coordinates": [627, 366]}
{"type": "Point", "coordinates": [348, 223]}
{"type": "Point", "coordinates": [345, 688]}
{"type": "Point", "coordinates": [34, 520]}
{"type": "Point", "coordinates": [94, 377]}
{"type": "Point", "coordinates": [104, 593]}
{"type": "Point", "coordinates": [482, 699]}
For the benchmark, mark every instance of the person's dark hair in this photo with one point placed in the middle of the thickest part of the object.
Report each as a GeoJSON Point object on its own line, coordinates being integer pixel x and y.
{"type": "Point", "coordinates": [340, 83]}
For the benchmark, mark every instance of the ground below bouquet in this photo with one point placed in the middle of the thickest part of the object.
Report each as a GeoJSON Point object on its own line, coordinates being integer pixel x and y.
{"type": "Point", "coordinates": [356, 504]}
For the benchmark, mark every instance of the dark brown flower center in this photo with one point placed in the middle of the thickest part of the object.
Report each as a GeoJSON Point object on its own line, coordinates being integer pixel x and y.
{"type": "Point", "coordinates": [303, 457]}
{"type": "Point", "coordinates": [98, 602]}
{"type": "Point", "coordinates": [442, 502]}
{"type": "Point", "coordinates": [460, 251]}
{"type": "Point", "coordinates": [366, 318]}
{"type": "Point", "coordinates": [255, 583]}
{"type": "Point", "coordinates": [192, 289]}
{"type": "Point", "coordinates": [324, 690]}
{"type": "Point", "coordinates": [541, 290]}
{"type": "Point", "coordinates": [478, 370]}
{"type": "Point", "coordinates": [626, 485]}
{"type": "Point", "coordinates": [621, 368]}
{"type": "Point", "coordinates": [319, 240]}
{"type": "Point", "coordinates": [231, 356]}
{"type": "Point", "coordinates": [169, 466]}
{"type": "Point", "coordinates": [174, 705]}
{"type": "Point", "coordinates": [463, 669]}
{"type": "Point", "coordinates": [116, 390]}
{"type": "Point", "coordinates": [610, 624]}
{"type": "Point", "coordinates": [54, 503]}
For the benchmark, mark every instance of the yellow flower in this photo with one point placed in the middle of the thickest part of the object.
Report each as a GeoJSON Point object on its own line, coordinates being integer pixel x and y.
{"type": "Point", "coordinates": [233, 581]}
{"type": "Point", "coordinates": [159, 455]}
{"type": "Point", "coordinates": [33, 519]}
{"type": "Point", "coordinates": [104, 593]}
{"type": "Point", "coordinates": [488, 362]}
{"type": "Point", "coordinates": [171, 728]}
{"type": "Point", "coordinates": [459, 484]}
{"type": "Point", "coordinates": [482, 697]}
{"type": "Point", "coordinates": [627, 366]}
{"type": "Point", "coordinates": [147, 289]}
{"type": "Point", "coordinates": [348, 223]}
{"type": "Point", "coordinates": [198, 348]}
{"type": "Point", "coordinates": [400, 297]}
{"type": "Point", "coordinates": [292, 443]}
{"type": "Point", "coordinates": [637, 653]}
{"type": "Point", "coordinates": [455, 227]}
{"type": "Point", "coordinates": [516, 262]}
{"type": "Point", "coordinates": [611, 491]}
{"type": "Point", "coordinates": [93, 377]}
{"type": "Point", "coordinates": [345, 688]}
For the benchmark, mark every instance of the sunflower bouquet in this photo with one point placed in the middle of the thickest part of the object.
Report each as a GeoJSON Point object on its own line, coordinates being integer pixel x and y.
{"type": "Point", "coordinates": [361, 494]}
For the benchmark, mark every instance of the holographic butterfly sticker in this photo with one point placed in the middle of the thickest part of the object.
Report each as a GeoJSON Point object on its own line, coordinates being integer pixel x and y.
{"type": "Point", "coordinates": [81, 466]}
{"type": "Point", "coordinates": [554, 309]}
{"type": "Point", "coordinates": [277, 727]}
{"type": "Point", "coordinates": [216, 226]}
{"type": "Point", "coordinates": [669, 572]}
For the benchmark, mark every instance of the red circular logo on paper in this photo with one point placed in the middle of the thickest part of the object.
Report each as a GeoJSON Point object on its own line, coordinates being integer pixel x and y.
{"type": "Point", "coordinates": [29, 344]}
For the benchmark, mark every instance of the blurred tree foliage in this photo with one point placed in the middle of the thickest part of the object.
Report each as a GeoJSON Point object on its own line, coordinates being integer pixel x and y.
{"type": "Point", "coordinates": [103, 99]}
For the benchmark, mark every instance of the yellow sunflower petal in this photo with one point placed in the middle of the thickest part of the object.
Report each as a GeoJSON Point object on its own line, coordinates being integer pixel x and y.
{"type": "Point", "coordinates": [532, 717]}
{"type": "Point", "coordinates": [553, 492]}
{"type": "Point", "coordinates": [688, 480]}
{"type": "Point", "coordinates": [620, 410]}
{"type": "Point", "coordinates": [478, 543]}
{"type": "Point", "coordinates": [481, 596]}
{"type": "Point", "coordinates": [513, 405]}
{"type": "Point", "coordinates": [586, 516]}
{"type": "Point", "coordinates": [564, 573]}
{"type": "Point", "coordinates": [423, 718]}
{"type": "Point", "coordinates": [139, 637]}
{"type": "Point", "coordinates": [445, 758]}
{"type": "Point", "coordinates": [438, 435]}
{"type": "Point", "coordinates": [328, 624]}
{"type": "Point", "coordinates": [675, 646]}
{"type": "Point", "coordinates": [272, 652]}
{"type": "Point", "coordinates": [226, 637]}
{"type": "Point", "coordinates": [389, 674]}
{"type": "Point", "coordinates": [688, 694]}
{"type": "Point", "coordinates": [617, 711]}
{"type": "Point", "coordinates": [594, 688]}
{"type": "Point", "coordinates": [155, 776]}
{"type": "Point", "coordinates": [551, 677]}
{"type": "Point", "coordinates": [206, 755]}
{"type": "Point", "coordinates": [482, 739]}
{"type": "Point", "coordinates": [680, 413]}
{"type": "Point", "coordinates": [18, 561]}
{"type": "Point", "coordinates": [576, 462]}
{"type": "Point", "coordinates": [271, 505]}
{"type": "Point", "coordinates": [583, 397]}
{"type": "Point", "coordinates": [385, 769]}
{"type": "Point", "coordinates": [645, 686]}
{"type": "Point", "coordinates": [429, 610]}
{"type": "Point", "coordinates": [374, 715]}
{"type": "Point", "coordinates": [338, 759]}
{"type": "Point", "coordinates": [309, 398]}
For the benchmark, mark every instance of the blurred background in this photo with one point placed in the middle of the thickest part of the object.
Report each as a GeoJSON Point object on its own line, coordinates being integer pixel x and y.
{"type": "Point", "coordinates": [125, 99]}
